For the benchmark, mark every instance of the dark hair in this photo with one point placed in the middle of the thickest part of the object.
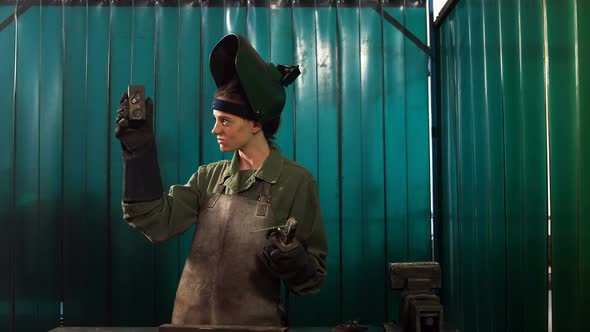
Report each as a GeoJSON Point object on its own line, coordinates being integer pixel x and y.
{"type": "Point", "coordinates": [234, 92]}
{"type": "Point", "coordinates": [270, 128]}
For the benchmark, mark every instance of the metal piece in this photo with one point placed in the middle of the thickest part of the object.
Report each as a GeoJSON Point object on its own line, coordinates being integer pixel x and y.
{"type": "Point", "coordinates": [278, 228]}
{"type": "Point", "coordinates": [136, 99]}
{"type": "Point", "coordinates": [286, 231]}
{"type": "Point", "coordinates": [289, 234]}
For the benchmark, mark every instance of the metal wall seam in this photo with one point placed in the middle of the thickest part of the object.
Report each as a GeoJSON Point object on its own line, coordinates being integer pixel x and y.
{"type": "Point", "coordinates": [488, 213]}
{"type": "Point", "coordinates": [407, 189]}
{"type": "Point", "coordinates": [49, 169]}
{"type": "Point", "coordinates": [564, 164]}
{"type": "Point", "coordinates": [583, 52]}
{"type": "Point", "coordinates": [327, 162]}
{"type": "Point", "coordinates": [496, 214]}
{"type": "Point", "coordinates": [14, 153]}
{"type": "Point", "coordinates": [306, 114]}
{"type": "Point", "coordinates": [27, 100]}
{"type": "Point", "coordinates": [371, 75]}
{"type": "Point", "coordinates": [583, 11]}
{"type": "Point", "coordinates": [201, 99]}
{"type": "Point", "coordinates": [179, 179]}
{"type": "Point", "coordinates": [13, 196]}
{"type": "Point", "coordinates": [384, 152]}
{"type": "Point", "coordinates": [502, 89]}
{"type": "Point", "coordinates": [62, 198]}
{"type": "Point", "coordinates": [521, 132]}
{"type": "Point", "coordinates": [433, 139]}
{"type": "Point", "coordinates": [85, 192]}
{"type": "Point", "coordinates": [534, 170]}
{"type": "Point", "coordinates": [96, 45]}
{"type": "Point", "coordinates": [576, 60]}
{"type": "Point", "coordinates": [156, 288]}
{"type": "Point", "coordinates": [189, 103]}
{"type": "Point", "coordinates": [456, 70]}
{"type": "Point", "coordinates": [480, 158]}
{"type": "Point", "coordinates": [109, 125]}
{"type": "Point", "coordinates": [294, 110]}
{"type": "Point", "coordinates": [38, 214]}
{"type": "Point", "coordinates": [339, 125]}
{"type": "Point", "coordinates": [348, 32]}
{"type": "Point", "coordinates": [472, 311]}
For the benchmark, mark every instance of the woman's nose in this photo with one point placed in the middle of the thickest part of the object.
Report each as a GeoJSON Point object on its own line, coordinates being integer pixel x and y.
{"type": "Point", "coordinates": [215, 130]}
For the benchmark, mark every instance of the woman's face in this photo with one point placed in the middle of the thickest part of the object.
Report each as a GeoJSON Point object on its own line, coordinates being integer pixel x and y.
{"type": "Point", "coordinates": [233, 132]}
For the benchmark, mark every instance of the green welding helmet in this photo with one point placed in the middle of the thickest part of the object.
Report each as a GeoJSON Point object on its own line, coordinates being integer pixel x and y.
{"type": "Point", "coordinates": [263, 83]}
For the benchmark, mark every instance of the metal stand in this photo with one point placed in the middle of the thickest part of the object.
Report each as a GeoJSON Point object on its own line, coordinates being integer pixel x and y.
{"type": "Point", "coordinates": [420, 308]}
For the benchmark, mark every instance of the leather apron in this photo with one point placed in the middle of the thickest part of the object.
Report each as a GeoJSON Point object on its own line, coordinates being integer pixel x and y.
{"type": "Point", "coordinates": [223, 282]}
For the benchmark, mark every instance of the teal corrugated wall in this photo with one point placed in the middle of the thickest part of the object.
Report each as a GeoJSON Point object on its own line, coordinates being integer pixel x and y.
{"type": "Point", "coordinates": [512, 72]}
{"type": "Point", "coordinates": [357, 117]}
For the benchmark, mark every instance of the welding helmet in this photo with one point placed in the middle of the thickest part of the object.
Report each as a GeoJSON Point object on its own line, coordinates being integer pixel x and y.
{"type": "Point", "coordinates": [263, 83]}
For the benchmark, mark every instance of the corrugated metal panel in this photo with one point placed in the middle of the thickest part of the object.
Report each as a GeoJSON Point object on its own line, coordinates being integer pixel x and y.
{"type": "Point", "coordinates": [567, 53]}
{"type": "Point", "coordinates": [495, 92]}
{"type": "Point", "coordinates": [494, 170]}
{"type": "Point", "coordinates": [357, 118]}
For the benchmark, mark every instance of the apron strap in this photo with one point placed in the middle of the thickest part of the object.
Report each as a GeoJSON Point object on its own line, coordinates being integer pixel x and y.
{"type": "Point", "coordinates": [263, 198]}
{"type": "Point", "coordinates": [213, 199]}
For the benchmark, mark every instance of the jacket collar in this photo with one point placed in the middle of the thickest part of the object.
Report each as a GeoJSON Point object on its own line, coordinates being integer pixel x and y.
{"type": "Point", "coordinates": [268, 172]}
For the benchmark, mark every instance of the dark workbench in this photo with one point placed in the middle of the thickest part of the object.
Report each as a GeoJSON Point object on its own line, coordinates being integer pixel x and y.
{"type": "Point", "coordinates": [155, 329]}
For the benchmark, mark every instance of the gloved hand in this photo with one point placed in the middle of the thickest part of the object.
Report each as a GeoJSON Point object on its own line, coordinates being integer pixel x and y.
{"type": "Point", "coordinates": [141, 171]}
{"type": "Point", "coordinates": [290, 263]}
{"type": "Point", "coordinates": [134, 135]}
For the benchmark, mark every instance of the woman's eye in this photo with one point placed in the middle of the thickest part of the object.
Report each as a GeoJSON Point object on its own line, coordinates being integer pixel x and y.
{"type": "Point", "coordinates": [224, 122]}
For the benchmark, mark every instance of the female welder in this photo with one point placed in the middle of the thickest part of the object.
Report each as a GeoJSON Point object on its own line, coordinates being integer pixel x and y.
{"type": "Point", "coordinates": [233, 271]}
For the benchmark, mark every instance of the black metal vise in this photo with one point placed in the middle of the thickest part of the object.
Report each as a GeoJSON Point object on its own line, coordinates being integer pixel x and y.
{"type": "Point", "coordinates": [420, 308]}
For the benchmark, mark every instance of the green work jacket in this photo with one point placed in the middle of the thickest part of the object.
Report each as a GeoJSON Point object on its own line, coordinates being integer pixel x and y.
{"type": "Point", "coordinates": [293, 194]}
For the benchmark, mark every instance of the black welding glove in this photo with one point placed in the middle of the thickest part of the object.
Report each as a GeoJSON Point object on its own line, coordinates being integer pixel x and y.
{"type": "Point", "coordinates": [141, 172]}
{"type": "Point", "coordinates": [292, 263]}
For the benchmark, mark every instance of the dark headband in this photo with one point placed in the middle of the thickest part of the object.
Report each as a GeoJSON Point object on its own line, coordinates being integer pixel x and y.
{"type": "Point", "coordinates": [243, 111]}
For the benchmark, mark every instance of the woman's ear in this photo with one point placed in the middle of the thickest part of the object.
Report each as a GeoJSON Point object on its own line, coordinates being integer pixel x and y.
{"type": "Point", "coordinates": [256, 126]}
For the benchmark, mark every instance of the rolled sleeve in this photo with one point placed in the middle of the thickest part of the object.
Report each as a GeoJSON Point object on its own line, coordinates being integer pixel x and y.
{"type": "Point", "coordinates": [311, 232]}
{"type": "Point", "coordinates": [170, 215]}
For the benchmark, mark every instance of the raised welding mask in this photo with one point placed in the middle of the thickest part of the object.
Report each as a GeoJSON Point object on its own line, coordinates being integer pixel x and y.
{"type": "Point", "coordinates": [263, 83]}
